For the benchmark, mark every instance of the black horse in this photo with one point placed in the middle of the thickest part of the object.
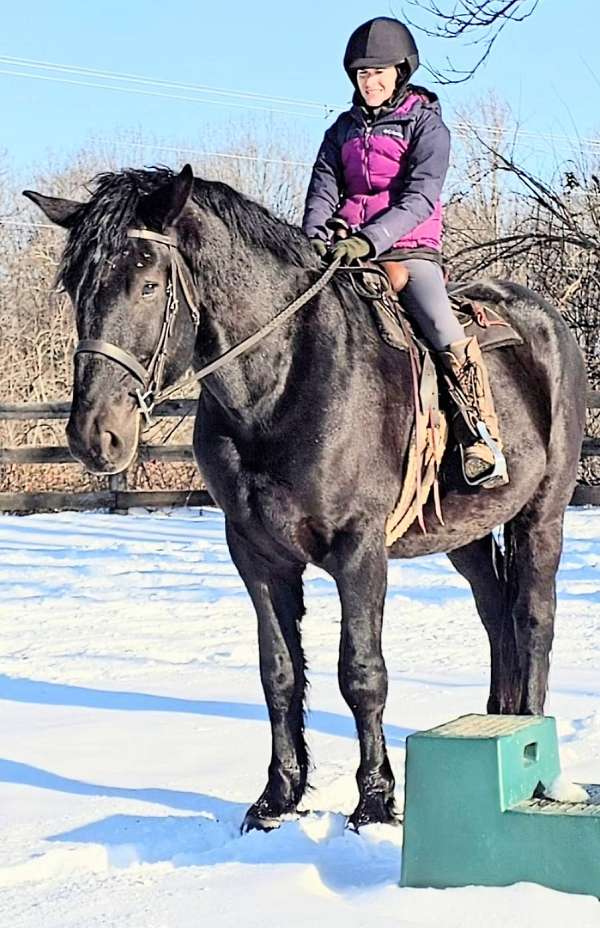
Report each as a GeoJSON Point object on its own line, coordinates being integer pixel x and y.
{"type": "Point", "coordinates": [303, 439]}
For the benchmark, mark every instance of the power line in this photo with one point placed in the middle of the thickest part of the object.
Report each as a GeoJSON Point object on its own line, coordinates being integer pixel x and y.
{"type": "Point", "coordinates": [158, 82]}
{"type": "Point", "coordinates": [469, 127]}
{"type": "Point", "coordinates": [195, 152]}
{"type": "Point", "coordinates": [461, 128]}
{"type": "Point", "coordinates": [173, 149]}
{"type": "Point", "coordinates": [156, 93]}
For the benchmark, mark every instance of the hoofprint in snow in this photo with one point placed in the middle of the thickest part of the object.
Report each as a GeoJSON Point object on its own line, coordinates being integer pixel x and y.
{"type": "Point", "coordinates": [134, 733]}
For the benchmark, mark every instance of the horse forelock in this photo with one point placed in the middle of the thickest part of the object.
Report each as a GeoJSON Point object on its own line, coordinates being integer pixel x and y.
{"type": "Point", "coordinates": [100, 230]}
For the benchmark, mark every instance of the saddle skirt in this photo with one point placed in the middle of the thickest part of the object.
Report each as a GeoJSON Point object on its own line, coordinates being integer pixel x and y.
{"type": "Point", "coordinates": [430, 431]}
{"type": "Point", "coordinates": [427, 444]}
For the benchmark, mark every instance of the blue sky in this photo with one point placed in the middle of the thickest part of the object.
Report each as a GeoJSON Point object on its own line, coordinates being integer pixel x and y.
{"type": "Point", "coordinates": [542, 68]}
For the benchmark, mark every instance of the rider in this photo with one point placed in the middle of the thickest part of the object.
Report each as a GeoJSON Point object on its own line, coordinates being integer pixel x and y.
{"type": "Point", "coordinates": [378, 176]}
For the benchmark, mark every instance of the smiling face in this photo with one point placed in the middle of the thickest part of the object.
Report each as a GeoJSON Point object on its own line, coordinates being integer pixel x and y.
{"type": "Point", "coordinates": [376, 85]}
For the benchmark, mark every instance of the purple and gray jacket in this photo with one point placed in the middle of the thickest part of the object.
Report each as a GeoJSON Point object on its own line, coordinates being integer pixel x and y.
{"type": "Point", "coordinates": [384, 178]}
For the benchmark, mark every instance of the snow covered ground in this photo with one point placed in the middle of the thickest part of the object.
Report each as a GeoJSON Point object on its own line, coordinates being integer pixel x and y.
{"type": "Point", "coordinates": [133, 733]}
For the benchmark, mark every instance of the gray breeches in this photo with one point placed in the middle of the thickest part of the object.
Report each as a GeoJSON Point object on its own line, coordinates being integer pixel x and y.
{"type": "Point", "coordinates": [425, 298]}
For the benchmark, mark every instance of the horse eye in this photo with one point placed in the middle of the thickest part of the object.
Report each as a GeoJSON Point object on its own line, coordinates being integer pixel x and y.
{"type": "Point", "coordinates": [148, 288]}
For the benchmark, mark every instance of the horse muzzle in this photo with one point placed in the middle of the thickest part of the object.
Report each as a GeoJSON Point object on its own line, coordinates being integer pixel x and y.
{"type": "Point", "coordinates": [104, 440]}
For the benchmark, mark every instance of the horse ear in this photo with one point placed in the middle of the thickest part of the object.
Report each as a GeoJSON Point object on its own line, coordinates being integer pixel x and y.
{"type": "Point", "coordinates": [60, 211]}
{"type": "Point", "coordinates": [163, 208]}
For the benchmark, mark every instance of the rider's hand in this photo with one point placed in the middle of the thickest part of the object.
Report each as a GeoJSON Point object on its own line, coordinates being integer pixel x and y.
{"type": "Point", "coordinates": [350, 249]}
{"type": "Point", "coordinates": [319, 246]}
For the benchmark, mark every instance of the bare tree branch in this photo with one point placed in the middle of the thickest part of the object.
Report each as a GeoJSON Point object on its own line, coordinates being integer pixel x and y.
{"type": "Point", "coordinates": [478, 22]}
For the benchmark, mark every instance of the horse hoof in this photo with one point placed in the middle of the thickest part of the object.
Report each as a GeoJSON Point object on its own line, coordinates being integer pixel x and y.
{"type": "Point", "coordinates": [255, 822]}
{"type": "Point", "coordinates": [374, 812]}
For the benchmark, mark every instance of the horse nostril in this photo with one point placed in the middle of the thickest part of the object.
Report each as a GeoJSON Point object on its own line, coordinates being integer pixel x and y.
{"type": "Point", "coordinates": [111, 445]}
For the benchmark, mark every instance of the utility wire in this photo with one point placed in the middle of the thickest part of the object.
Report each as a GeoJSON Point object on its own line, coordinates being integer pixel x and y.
{"type": "Point", "coordinates": [192, 151]}
{"type": "Point", "coordinates": [157, 82]}
{"type": "Point", "coordinates": [468, 128]}
{"type": "Point", "coordinates": [325, 109]}
{"type": "Point", "coordinates": [174, 149]}
{"type": "Point", "coordinates": [156, 93]}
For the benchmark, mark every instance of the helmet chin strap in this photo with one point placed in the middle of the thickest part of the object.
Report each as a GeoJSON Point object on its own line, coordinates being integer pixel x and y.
{"type": "Point", "coordinates": [402, 80]}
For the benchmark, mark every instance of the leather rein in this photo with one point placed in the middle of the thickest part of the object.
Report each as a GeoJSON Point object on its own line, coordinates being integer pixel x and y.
{"type": "Point", "coordinates": [149, 394]}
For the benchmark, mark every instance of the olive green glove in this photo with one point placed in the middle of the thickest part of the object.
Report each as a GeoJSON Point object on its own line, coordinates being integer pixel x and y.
{"type": "Point", "coordinates": [320, 246]}
{"type": "Point", "coordinates": [350, 249]}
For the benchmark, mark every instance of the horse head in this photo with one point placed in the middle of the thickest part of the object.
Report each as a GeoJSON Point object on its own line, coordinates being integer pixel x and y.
{"type": "Point", "coordinates": [125, 274]}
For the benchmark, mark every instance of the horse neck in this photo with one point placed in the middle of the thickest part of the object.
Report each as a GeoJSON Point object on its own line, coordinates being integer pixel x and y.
{"type": "Point", "coordinates": [239, 298]}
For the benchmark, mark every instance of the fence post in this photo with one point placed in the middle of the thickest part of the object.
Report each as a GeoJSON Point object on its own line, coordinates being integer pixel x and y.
{"type": "Point", "coordinates": [117, 482]}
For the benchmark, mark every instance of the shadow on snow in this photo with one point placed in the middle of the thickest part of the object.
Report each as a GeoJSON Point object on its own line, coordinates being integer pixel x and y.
{"type": "Point", "coordinates": [19, 689]}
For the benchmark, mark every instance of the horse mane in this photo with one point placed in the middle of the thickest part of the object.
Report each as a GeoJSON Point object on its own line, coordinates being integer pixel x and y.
{"type": "Point", "coordinates": [99, 230]}
{"type": "Point", "coordinates": [252, 223]}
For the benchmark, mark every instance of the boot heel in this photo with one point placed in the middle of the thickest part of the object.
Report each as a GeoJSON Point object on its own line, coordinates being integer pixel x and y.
{"type": "Point", "coordinates": [496, 473]}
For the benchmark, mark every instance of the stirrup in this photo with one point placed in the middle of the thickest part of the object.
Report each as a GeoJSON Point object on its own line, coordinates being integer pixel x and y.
{"type": "Point", "coordinates": [498, 473]}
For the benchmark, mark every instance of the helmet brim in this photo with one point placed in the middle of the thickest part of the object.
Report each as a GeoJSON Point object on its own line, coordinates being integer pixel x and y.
{"type": "Point", "coordinates": [361, 63]}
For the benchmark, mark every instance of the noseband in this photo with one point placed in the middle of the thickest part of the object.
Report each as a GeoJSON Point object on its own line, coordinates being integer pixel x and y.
{"type": "Point", "coordinates": [151, 377]}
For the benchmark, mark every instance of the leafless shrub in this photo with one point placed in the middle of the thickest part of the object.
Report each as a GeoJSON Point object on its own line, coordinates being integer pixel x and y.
{"type": "Point", "coordinates": [544, 233]}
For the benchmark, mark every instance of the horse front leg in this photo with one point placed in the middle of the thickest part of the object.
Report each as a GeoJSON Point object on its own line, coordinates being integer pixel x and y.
{"type": "Point", "coordinates": [276, 592]}
{"type": "Point", "coordinates": [360, 572]}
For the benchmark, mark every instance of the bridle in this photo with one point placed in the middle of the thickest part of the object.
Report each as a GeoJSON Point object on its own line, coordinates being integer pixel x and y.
{"type": "Point", "coordinates": [150, 377]}
{"type": "Point", "coordinates": [149, 394]}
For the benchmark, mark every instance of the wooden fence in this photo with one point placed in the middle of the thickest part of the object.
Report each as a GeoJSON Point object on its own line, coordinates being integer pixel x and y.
{"type": "Point", "coordinates": [116, 496]}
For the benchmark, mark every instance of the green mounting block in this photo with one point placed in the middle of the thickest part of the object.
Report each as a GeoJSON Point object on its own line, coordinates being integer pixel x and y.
{"type": "Point", "coordinates": [470, 816]}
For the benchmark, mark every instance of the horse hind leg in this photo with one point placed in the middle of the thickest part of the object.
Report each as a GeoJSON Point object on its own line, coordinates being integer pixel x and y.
{"type": "Point", "coordinates": [515, 594]}
{"type": "Point", "coordinates": [533, 549]}
{"type": "Point", "coordinates": [481, 564]}
{"type": "Point", "coordinates": [276, 592]}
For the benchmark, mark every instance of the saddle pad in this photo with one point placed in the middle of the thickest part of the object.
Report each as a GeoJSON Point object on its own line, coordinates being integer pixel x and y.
{"type": "Point", "coordinates": [482, 320]}
{"type": "Point", "coordinates": [478, 319]}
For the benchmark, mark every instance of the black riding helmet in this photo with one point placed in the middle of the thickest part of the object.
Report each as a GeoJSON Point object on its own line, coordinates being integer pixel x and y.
{"type": "Point", "coordinates": [382, 43]}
